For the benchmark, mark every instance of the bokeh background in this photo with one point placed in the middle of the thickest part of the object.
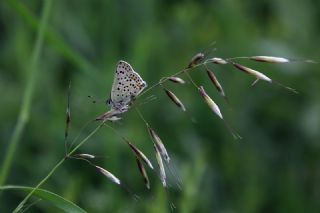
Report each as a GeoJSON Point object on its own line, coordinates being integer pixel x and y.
{"type": "Point", "coordinates": [274, 168]}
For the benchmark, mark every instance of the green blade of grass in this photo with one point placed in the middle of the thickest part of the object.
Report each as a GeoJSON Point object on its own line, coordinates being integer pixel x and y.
{"type": "Point", "coordinates": [33, 71]}
{"type": "Point", "coordinates": [50, 197]}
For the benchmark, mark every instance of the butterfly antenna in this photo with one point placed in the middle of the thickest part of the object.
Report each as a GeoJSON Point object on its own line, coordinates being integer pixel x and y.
{"type": "Point", "coordinates": [95, 100]}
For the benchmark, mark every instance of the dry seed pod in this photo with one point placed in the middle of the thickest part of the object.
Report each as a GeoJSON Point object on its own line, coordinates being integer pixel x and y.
{"type": "Point", "coordinates": [213, 106]}
{"type": "Point", "coordinates": [176, 80]}
{"type": "Point", "coordinates": [143, 172]}
{"type": "Point", "coordinates": [66, 132]}
{"type": "Point", "coordinates": [255, 73]}
{"type": "Point", "coordinates": [83, 155]}
{"type": "Point", "coordinates": [218, 61]}
{"type": "Point", "coordinates": [68, 116]}
{"type": "Point", "coordinates": [140, 155]}
{"type": "Point", "coordinates": [196, 60]}
{"type": "Point", "coordinates": [175, 99]}
{"type": "Point", "coordinates": [262, 76]}
{"type": "Point", "coordinates": [108, 174]}
{"type": "Point", "coordinates": [162, 172]}
{"type": "Point", "coordinates": [215, 81]}
{"type": "Point", "coordinates": [159, 144]}
{"type": "Point", "coordinates": [270, 59]}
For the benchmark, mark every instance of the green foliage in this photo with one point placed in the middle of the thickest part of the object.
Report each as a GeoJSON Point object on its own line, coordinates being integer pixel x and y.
{"type": "Point", "coordinates": [52, 198]}
{"type": "Point", "coordinates": [273, 169]}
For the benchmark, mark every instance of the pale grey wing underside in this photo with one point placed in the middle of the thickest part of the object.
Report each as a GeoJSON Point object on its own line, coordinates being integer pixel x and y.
{"type": "Point", "coordinates": [127, 84]}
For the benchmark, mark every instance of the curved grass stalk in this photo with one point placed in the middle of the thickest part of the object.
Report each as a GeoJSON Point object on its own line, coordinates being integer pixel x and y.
{"type": "Point", "coordinates": [22, 203]}
{"type": "Point", "coordinates": [68, 155]}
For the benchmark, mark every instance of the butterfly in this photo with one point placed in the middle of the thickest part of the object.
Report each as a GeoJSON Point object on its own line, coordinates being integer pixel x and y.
{"type": "Point", "coordinates": [127, 84]}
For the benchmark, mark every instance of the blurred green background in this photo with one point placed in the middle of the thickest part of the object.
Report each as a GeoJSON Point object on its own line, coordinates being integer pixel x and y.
{"type": "Point", "coordinates": [274, 168]}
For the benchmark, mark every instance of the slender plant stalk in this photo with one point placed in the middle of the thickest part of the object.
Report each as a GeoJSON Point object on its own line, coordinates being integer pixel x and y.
{"type": "Point", "coordinates": [21, 204]}
{"type": "Point", "coordinates": [28, 94]}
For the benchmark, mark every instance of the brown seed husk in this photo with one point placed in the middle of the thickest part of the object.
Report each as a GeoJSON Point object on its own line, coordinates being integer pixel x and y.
{"type": "Point", "coordinates": [108, 174]}
{"type": "Point", "coordinates": [176, 80]}
{"type": "Point", "coordinates": [143, 172]}
{"type": "Point", "coordinates": [175, 99]}
{"type": "Point", "coordinates": [162, 172]}
{"type": "Point", "coordinates": [159, 144]}
{"type": "Point", "coordinates": [270, 59]}
{"type": "Point", "coordinates": [140, 155]}
{"type": "Point", "coordinates": [213, 106]}
{"type": "Point", "coordinates": [255, 73]}
{"type": "Point", "coordinates": [215, 82]}
{"type": "Point", "coordinates": [196, 59]}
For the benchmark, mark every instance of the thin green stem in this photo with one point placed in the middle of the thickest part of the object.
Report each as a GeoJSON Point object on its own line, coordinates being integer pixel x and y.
{"type": "Point", "coordinates": [28, 94]}
{"type": "Point", "coordinates": [21, 204]}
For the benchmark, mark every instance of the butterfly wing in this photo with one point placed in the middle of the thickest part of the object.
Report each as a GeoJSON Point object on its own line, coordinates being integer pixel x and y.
{"type": "Point", "coordinates": [127, 84]}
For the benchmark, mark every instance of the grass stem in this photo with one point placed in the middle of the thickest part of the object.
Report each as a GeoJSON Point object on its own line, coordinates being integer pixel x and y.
{"type": "Point", "coordinates": [33, 71]}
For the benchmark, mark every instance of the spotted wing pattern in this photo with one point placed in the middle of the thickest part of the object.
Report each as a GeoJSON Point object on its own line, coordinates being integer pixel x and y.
{"type": "Point", "coordinates": [127, 84]}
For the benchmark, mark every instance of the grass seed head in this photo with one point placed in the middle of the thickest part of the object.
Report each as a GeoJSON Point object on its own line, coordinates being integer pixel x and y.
{"type": "Point", "coordinates": [176, 80]}
{"type": "Point", "coordinates": [175, 99]}
{"type": "Point", "coordinates": [143, 172]}
{"type": "Point", "coordinates": [108, 174]}
{"type": "Point", "coordinates": [68, 119]}
{"type": "Point", "coordinates": [270, 59]}
{"type": "Point", "coordinates": [140, 155]}
{"type": "Point", "coordinates": [215, 81]}
{"type": "Point", "coordinates": [218, 61]}
{"type": "Point", "coordinates": [84, 155]}
{"type": "Point", "coordinates": [162, 172]}
{"type": "Point", "coordinates": [196, 59]}
{"type": "Point", "coordinates": [160, 146]}
{"type": "Point", "coordinates": [213, 106]}
{"type": "Point", "coordinates": [255, 73]}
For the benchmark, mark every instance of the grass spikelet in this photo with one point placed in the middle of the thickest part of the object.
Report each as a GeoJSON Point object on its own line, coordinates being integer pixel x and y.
{"type": "Point", "coordinates": [261, 76]}
{"type": "Point", "coordinates": [159, 144]}
{"type": "Point", "coordinates": [196, 59]}
{"type": "Point", "coordinates": [175, 99]}
{"type": "Point", "coordinates": [109, 175]}
{"type": "Point", "coordinates": [213, 106]}
{"type": "Point", "coordinates": [84, 155]}
{"type": "Point", "coordinates": [176, 80]}
{"type": "Point", "coordinates": [143, 172]}
{"type": "Point", "coordinates": [68, 120]}
{"type": "Point", "coordinates": [269, 59]}
{"type": "Point", "coordinates": [215, 82]}
{"type": "Point", "coordinates": [162, 173]}
{"type": "Point", "coordinates": [253, 72]}
{"type": "Point", "coordinates": [217, 61]}
{"type": "Point", "coordinates": [140, 155]}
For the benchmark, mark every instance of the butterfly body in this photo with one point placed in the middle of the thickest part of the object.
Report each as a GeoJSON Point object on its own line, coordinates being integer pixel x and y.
{"type": "Point", "coordinates": [127, 84]}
